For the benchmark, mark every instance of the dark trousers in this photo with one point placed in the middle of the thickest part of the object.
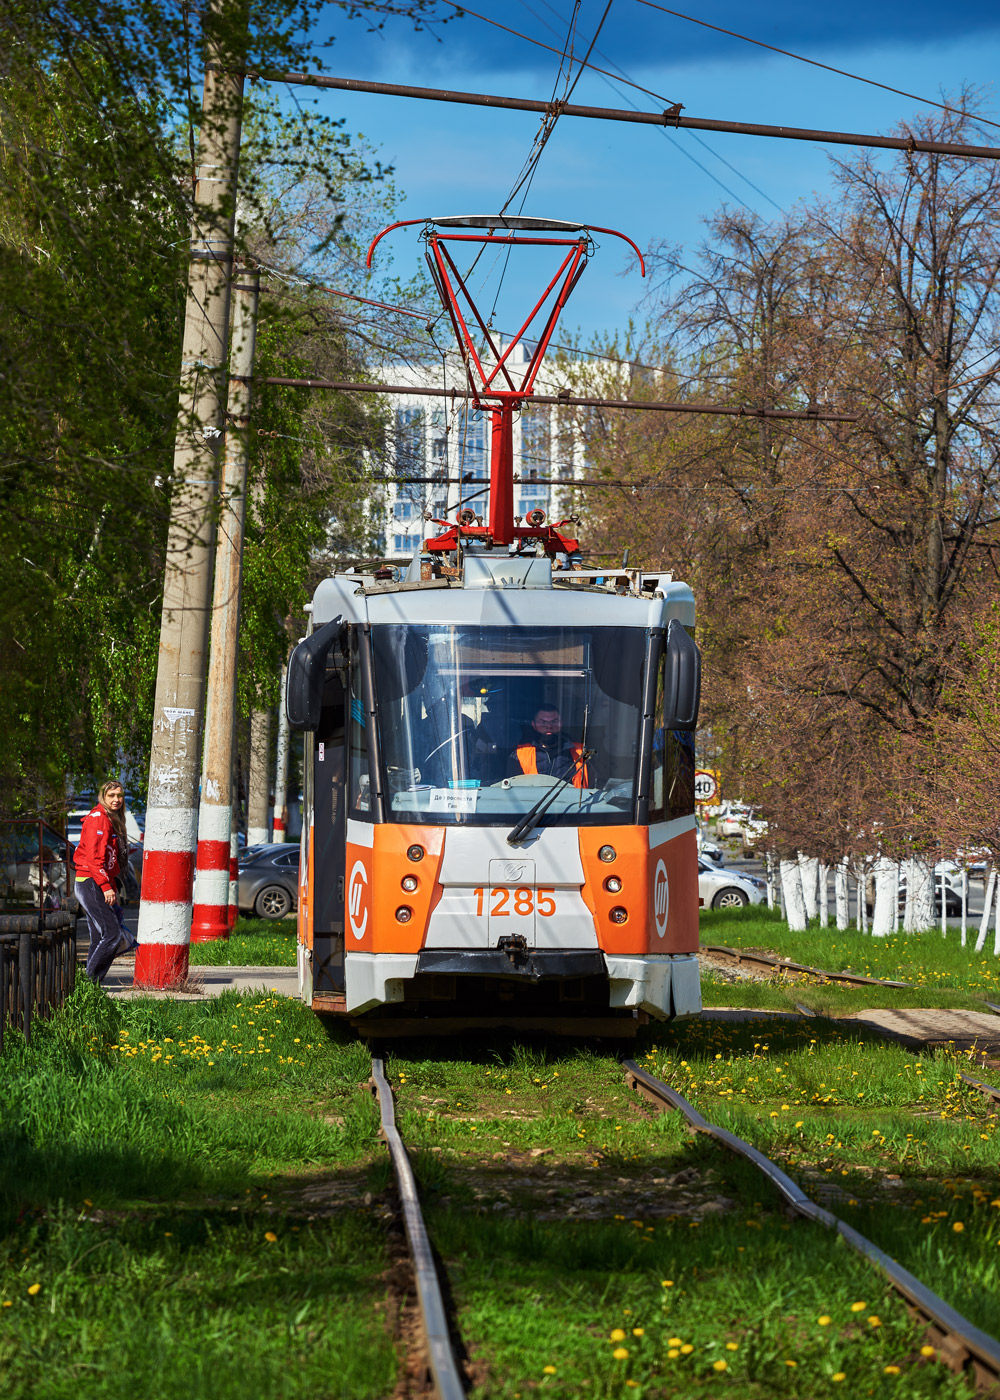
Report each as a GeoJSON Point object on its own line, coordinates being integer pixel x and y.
{"type": "Point", "coordinates": [105, 930]}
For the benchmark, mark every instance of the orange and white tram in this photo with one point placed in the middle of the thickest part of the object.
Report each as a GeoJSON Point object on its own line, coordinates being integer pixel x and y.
{"type": "Point", "coordinates": [458, 860]}
{"type": "Point", "coordinates": [498, 823]}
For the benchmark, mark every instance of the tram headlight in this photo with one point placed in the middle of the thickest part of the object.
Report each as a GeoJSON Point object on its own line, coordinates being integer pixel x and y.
{"type": "Point", "coordinates": [404, 914]}
{"type": "Point", "coordinates": [612, 884]}
{"type": "Point", "coordinates": [414, 853]}
{"type": "Point", "coordinates": [618, 915]}
{"type": "Point", "coordinates": [607, 853]}
{"type": "Point", "coordinates": [409, 883]}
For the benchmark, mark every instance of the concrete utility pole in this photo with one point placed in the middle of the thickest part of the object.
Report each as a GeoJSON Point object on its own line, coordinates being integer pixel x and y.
{"type": "Point", "coordinates": [169, 855]}
{"type": "Point", "coordinates": [216, 832]}
{"type": "Point", "coordinates": [260, 776]}
{"type": "Point", "coordinates": [281, 767]}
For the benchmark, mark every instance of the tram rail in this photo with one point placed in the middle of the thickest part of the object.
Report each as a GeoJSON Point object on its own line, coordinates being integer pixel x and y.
{"type": "Point", "coordinates": [442, 1363]}
{"type": "Point", "coordinates": [741, 957]}
{"type": "Point", "coordinates": [960, 1345]}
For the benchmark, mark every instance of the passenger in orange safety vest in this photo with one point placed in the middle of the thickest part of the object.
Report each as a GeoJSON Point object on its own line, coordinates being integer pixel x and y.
{"type": "Point", "coordinates": [547, 750]}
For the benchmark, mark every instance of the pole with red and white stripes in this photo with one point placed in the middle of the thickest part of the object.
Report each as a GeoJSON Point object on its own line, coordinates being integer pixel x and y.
{"type": "Point", "coordinates": [171, 813]}
{"type": "Point", "coordinates": [216, 832]}
{"type": "Point", "coordinates": [279, 819]}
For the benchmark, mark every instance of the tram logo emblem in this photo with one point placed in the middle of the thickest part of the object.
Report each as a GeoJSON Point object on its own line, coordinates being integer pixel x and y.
{"type": "Point", "coordinates": [661, 898]}
{"type": "Point", "coordinates": [355, 898]}
{"type": "Point", "coordinates": [513, 871]}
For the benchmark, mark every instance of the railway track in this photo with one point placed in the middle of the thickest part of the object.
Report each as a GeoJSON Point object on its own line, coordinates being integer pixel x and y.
{"type": "Point", "coordinates": [959, 1344]}
{"type": "Point", "coordinates": [720, 953]}
{"type": "Point", "coordinates": [442, 1365]}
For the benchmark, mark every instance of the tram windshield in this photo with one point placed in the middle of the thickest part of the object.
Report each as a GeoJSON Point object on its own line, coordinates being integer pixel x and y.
{"type": "Point", "coordinates": [477, 723]}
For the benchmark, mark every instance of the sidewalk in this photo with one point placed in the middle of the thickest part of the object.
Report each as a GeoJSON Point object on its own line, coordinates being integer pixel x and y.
{"type": "Point", "coordinates": [206, 982]}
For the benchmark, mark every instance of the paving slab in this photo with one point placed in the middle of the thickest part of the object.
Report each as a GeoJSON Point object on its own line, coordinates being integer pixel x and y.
{"type": "Point", "coordinates": [206, 982]}
{"type": "Point", "coordinates": [934, 1026]}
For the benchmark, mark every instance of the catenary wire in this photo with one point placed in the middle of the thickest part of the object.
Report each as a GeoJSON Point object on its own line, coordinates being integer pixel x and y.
{"type": "Point", "coordinates": [800, 58]}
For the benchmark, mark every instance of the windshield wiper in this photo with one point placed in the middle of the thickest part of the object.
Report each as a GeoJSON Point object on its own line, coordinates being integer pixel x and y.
{"type": "Point", "coordinates": [531, 819]}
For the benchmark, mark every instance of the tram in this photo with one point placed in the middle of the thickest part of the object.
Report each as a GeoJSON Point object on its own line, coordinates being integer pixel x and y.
{"type": "Point", "coordinates": [498, 813]}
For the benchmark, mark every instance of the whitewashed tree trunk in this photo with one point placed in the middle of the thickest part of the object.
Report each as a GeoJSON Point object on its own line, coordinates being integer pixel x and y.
{"type": "Point", "coordinates": [944, 904]}
{"type": "Point", "coordinates": [886, 897]}
{"type": "Point", "coordinates": [824, 896]}
{"type": "Point", "coordinates": [808, 872]}
{"type": "Point", "coordinates": [920, 897]}
{"type": "Point", "coordinates": [996, 927]}
{"type": "Point", "coordinates": [770, 879]}
{"type": "Point", "coordinates": [984, 922]}
{"type": "Point", "coordinates": [791, 889]}
{"type": "Point", "coordinates": [841, 894]}
{"type": "Point", "coordinates": [965, 906]}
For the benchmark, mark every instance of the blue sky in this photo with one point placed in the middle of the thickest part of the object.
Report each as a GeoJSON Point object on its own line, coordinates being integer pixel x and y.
{"type": "Point", "coordinates": [451, 159]}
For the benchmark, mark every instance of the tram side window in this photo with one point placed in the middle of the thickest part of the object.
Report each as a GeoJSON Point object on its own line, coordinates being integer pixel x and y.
{"type": "Point", "coordinates": [657, 790]}
{"type": "Point", "coordinates": [673, 767]}
{"type": "Point", "coordinates": [358, 771]}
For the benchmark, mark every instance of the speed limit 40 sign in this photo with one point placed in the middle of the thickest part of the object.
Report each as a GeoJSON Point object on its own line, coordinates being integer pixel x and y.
{"type": "Point", "coordinates": [706, 785]}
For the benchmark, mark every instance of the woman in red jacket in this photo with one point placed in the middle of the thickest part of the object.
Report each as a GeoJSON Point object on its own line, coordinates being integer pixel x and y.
{"type": "Point", "coordinates": [99, 860]}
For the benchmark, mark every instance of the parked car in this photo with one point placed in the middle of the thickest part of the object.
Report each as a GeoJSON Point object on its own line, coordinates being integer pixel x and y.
{"type": "Point", "coordinates": [709, 848]}
{"type": "Point", "coordinates": [952, 889]}
{"type": "Point", "coordinates": [731, 819]}
{"type": "Point", "coordinates": [719, 888]}
{"type": "Point", "coordinates": [753, 832]}
{"type": "Point", "coordinates": [269, 880]}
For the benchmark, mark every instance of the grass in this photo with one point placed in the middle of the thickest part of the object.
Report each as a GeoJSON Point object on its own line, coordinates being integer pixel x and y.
{"type": "Point", "coordinates": [753, 1307]}
{"type": "Point", "coordinates": [935, 966]}
{"type": "Point", "coordinates": [252, 943]}
{"type": "Point", "coordinates": [182, 1206]}
{"type": "Point", "coordinates": [561, 1203]}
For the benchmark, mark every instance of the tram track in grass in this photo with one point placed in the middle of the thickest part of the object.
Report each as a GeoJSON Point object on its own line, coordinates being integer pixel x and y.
{"type": "Point", "coordinates": [562, 1206]}
{"type": "Point", "coordinates": [959, 1344]}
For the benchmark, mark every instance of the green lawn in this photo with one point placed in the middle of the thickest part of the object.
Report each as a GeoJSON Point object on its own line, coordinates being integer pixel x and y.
{"type": "Point", "coordinates": [252, 943]}
{"type": "Point", "coordinates": [941, 971]}
{"type": "Point", "coordinates": [182, 1206]}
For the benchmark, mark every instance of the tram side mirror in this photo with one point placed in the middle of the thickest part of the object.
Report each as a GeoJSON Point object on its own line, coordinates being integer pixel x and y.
{"type": "Point", "coordinates": [307, 674]}
{"type": "Point", "coordinates": [682, 679]}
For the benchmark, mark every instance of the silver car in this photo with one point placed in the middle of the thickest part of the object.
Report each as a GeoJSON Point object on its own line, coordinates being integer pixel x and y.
{"type": "Point", "coordinates": [719, 888]}
{"type": "Point", "coordinates": [269, 880]}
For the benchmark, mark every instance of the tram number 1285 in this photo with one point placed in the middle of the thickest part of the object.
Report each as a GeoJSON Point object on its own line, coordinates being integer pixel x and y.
{"type": "Point", "coordinates": [522, 901]}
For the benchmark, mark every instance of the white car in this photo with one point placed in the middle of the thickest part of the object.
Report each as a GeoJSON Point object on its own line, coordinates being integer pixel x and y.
{"type": "Point", "coordinates": [719, 888]}
{"type": "Point", "coordinates": [731, 821]}
{"type": "Point", "coordinates": [753, 833]}
{"type": "Point", "coordinates": [708, 848]}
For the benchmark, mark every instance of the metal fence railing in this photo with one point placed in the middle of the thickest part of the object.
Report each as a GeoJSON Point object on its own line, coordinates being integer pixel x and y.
{"type": "Point", "coordinates": [38, 913]}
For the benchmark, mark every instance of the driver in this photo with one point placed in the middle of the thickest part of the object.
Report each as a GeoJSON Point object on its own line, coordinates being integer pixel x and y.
{"type": "Point", "coordinates": [548, 750]}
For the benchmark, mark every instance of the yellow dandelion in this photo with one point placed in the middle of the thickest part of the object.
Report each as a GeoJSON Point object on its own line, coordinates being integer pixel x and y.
{"type": "Point", "coordinates": [825, 1320]}
{"type": "Point", "coordinates": [720, 1365]}
{"type": "Point", "coordinates": [791, 1363]}
{"type": "Point", "coordinates": [958, 1227]}
{"type": "Point", "coordinates": [271, 1237]}
{"type": "Point", "coordinates": [892, 1370]}
{"type": "Point", "coordinates": [839, 1376]}
{"type": "Point", "coordinates": [34, 1289]}
{"type": "Point", "coordinates": [666, 1283]}
{"type": "Point", "coordinates": [874, 1322]}
{"type": "Point", "coordinates": [928, 1352]}
{"type": "Point", "coordinates": [673, 1354]}
{"type": "Point", "coordinates": [617, 1335]}
{"type": "Point", "coordinates": [620, 1353]}
{"type": "Point", "coordinates": [687, 1349]}
{"type": "Point", "coordinates": [674, 1341]}
{"type": "Point", "coordinates": [638, 1331]}
{"type": "Point", "coordinates": [7, 1303]}
{"type": "Point", "coordinates": [732, 1346]}
{"type": "Point", "coordinates": [858, 1307]}
{"type": "Point", "coordinates": [548, 1370]}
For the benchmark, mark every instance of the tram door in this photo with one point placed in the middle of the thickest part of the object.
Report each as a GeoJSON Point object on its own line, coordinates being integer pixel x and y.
{"type": "Point", "coordinates": [329, 839]}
